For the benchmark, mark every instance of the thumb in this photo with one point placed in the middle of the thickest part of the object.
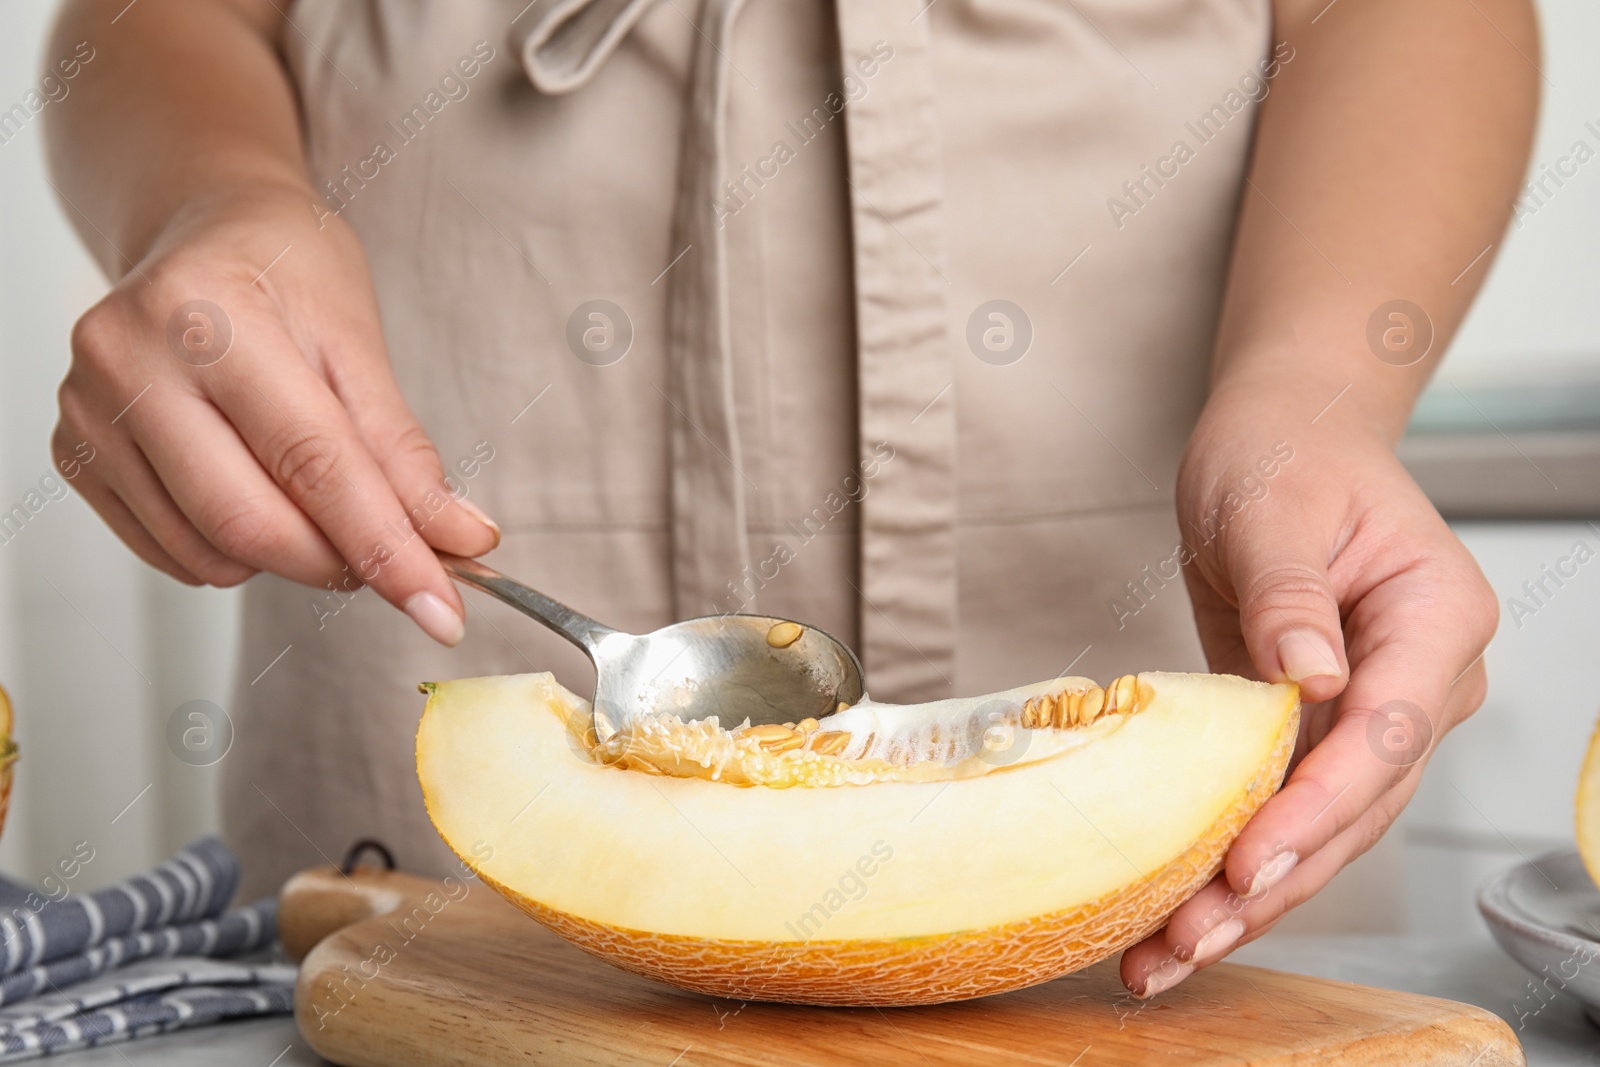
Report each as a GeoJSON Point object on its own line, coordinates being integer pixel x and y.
{"type": "Point", "coordinates": [1288, 613]}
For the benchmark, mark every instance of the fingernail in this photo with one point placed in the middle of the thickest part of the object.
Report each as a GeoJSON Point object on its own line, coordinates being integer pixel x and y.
{"type": "Point", "coordinates": [476, 512]}
{"type": "Point", "coordinates": [1165, 977]}
{"type": "Point", "coordinates": [1306, 654]}
{"type": "Point", "coordinates": [1218, 939]}
{"type": "Point", "coordinates": [1272, 872]}
{"type": "Point", "coordinates": [436, 619]}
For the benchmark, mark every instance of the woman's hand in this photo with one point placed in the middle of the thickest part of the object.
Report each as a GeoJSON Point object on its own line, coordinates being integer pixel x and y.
{"type": "Point", "coordinates": [1315, 558]}
{"type": "Point", "coordinates": [233, 389]}
{"type": "Point", "coordinates": [236, 394]}
{"type": "Point", "coordinates": [1392, 138]}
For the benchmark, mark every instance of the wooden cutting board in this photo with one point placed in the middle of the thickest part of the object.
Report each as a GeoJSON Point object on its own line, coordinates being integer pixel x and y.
{"type": "Point", "coordinates": [395, 978]}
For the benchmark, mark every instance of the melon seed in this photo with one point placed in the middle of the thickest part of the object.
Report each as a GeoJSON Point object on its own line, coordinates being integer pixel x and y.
{"type": "Point", "coordinates": [772, 737]}
{"type": "Point", "coordinates": [784, 634]}
{"type": "Point", "coordinates": [767, 733]}
{"type": "Point", "coordinates": [1121, 694]}
{"type": "Point", "coordinates": [1093, 701]}
{"type": "Point", "coordinates": [1080, 707]}
{"type": "Point", "coordinates": [830, 742]}
{"type": "Point", "coordinates": [786, 744]}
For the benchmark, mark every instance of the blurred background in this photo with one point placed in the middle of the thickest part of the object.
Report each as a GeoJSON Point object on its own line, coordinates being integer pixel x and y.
{"type": "Point", "coordinates": [99, 652]}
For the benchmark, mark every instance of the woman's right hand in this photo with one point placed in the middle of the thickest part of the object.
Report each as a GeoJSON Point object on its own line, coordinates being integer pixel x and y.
{"type": "Point", "coordinates": [263, 429]}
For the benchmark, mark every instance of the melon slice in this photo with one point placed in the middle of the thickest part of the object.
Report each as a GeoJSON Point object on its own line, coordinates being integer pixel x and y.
{"type": "Point", "coordinates": [886, 855]}
{"type": "Point", "coordinates": [1588, 804]}
{"type": "Point", "coordinates": [8, 756]}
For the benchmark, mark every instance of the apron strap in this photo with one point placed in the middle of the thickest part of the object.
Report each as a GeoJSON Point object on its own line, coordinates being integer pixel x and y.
{"type": "Point", "coordinates": [566, 44]}
{"type": "Point", "coordinates": [710, 542]}
{"type": "Point", "coordinates": [571, 39]}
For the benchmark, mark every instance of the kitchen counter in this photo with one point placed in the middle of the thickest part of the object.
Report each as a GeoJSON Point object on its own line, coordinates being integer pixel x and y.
{"type": "Point", "coordinates": [1555, 1034]}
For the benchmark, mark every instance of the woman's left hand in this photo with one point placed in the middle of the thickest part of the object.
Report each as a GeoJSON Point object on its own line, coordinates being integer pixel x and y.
{"type": "Point", "coordinates": [1333, 571]}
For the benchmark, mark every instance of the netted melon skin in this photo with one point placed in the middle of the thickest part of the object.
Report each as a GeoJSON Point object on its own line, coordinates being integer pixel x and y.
{"type": "Point", "coordinates": [903, 972]}
{"type": "Point", "coordinates": [6, 765]}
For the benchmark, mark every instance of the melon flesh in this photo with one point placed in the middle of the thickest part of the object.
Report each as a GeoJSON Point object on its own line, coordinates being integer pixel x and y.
{"type": "Point", "coordinates": [903, 872]}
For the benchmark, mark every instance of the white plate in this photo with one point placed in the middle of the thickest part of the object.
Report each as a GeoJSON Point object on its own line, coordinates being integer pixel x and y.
{"type": "Point", "coordinates": [1546, 915]}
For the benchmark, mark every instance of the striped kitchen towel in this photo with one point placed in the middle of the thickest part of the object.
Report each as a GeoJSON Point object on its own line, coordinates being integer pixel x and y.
{"type": "Point", "coordinates": [152, 997]}
{"type": "Point", "coordinates": [175, 909]}
{"type": "Point", "coordinates": [132, 959]}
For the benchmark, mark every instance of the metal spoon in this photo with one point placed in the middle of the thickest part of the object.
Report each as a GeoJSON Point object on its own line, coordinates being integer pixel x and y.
{"type": "Point", "coordinates": [722, 665]}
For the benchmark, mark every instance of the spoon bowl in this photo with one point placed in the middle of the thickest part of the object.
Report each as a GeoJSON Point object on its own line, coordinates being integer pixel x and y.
{"type": "Point", "coordinates": [735, 667]}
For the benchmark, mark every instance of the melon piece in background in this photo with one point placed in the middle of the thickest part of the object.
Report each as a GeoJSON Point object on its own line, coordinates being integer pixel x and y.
{"type": "Point", "coordinates": [8, 756]}
{"type": "Point", "coordinates": [1588, 805]}
{"type": "Point", "coordinates": [885, 855]}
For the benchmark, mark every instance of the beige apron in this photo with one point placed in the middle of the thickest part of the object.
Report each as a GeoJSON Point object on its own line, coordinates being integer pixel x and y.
{"type": "Point", "coordinates": [799, 222]}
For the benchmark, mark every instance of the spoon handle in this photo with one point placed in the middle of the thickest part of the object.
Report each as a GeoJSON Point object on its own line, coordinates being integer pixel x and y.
{"type": "Point", "coordinates": [576, 627]}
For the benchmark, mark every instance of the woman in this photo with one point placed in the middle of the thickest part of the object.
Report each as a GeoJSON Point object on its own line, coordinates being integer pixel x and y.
{"type": "Point", "coordinates": [958, 330]}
